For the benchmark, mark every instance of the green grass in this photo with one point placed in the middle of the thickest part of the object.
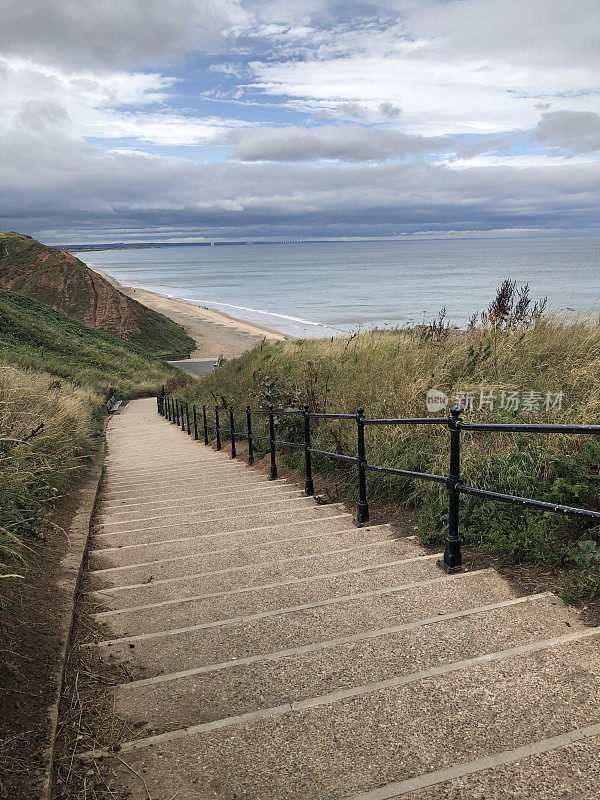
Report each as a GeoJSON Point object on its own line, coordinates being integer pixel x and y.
{"type": "Point", "coordinates": [389, 372]}
{"type": "Point", "coordinates": [55, 376]}
{"type": "Point", "coordinates": [34, 336]}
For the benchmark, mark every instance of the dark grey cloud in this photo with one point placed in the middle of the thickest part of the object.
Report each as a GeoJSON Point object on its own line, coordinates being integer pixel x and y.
{"type": "Point", "coordinates": [353, 110]}
{"type": "Point", "coordinates": [41, 113]}
{"type": "Point", "coordinates": [390, 110]}
{"type": "Point", "coordinates": [75, 186]}
{"type": "Point", "coordinates": [329, 142]}
{"type": "Point", "coordinates": [578, 131]}
{"type": "Point", "coordinates": [113, 34]}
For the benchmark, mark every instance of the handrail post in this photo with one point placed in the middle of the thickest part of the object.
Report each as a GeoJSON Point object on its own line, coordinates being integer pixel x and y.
{"type": "Point", "coordinates": [232, 431]}
{"type": "Point", "coordinates": [362, 511]}
{"type": "Point", "coordinates": [273, 469]}
{"type": "Point", "coordinates": [250, 443]}
{"type": "Point", "coordinates": [187, 418]}
{"type": "Point", "coordinates": [218, 427]}
{"type": "Point", "coordinates": [195, 421]}
{"type": "Point", "coordinates": [170, 409]}
{"type": "Point", "coordinates": [309, 488]}
{"type": "Point", "coordinates": [205, 424]}
{"type": "Point", "coordinates": [183, 405]}
{"type": "Point", "coordinates": [177, 412]}
{"type": "Point", "coordinates": [167, 409]}
{"type": "Point", "coordinates": [452, 561]}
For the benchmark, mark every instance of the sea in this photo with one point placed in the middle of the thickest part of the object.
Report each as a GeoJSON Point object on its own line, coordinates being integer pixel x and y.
{"type": "Point", "coordinates": [334, 288]}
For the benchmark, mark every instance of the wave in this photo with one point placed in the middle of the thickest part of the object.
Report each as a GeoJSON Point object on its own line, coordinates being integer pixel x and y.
{"type": "Point", "coordinates": [214, 303]}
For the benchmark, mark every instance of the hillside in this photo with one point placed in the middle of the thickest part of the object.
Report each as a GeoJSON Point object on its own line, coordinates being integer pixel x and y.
{"type": "Point", "coordinates": [34, 336]}
{"type": "Point", "coordinates": [65, 283]}
{"type": "Point", "coordinates": [390, 372]}
{"type": "Point", "coordinates": [55, 375]}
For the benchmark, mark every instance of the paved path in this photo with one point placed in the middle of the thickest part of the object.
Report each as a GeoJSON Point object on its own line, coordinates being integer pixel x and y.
{"type": "Point", "coordinates": [278, 652]}
{"type": "Point", "coordinates": [195, 366]}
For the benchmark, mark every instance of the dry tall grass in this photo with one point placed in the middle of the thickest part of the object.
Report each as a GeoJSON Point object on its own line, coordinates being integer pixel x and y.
{"type": "Point", "coordinates": [389, 373]}
{"type": "Point", "coordinates": [46, 432]}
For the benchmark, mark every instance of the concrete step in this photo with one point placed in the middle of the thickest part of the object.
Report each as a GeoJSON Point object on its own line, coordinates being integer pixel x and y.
{"type": "Point", "coordinates": [181, 475]}
{"type": "Point", "coordinates": [334, 747]}
{"type": "Point", "coordinates": [178, 611]}
{"type": "Point", "coordinates": [303, 538]}
{"type": "Point", "coordinates": [214, 507]}
{"type": "Point", "coordinates": [126, 543]}
{"type": "Point", "coordinates": [209, 501]}
{"type": "Point", "coordinates": [207, 643]}
{"type": "Point", "coordinates": [198, 477]}
{"type": "Point", "coordinates": [216, 523]}
{"type": "Point", "coordinates": [247, 480]}
{"type": "Point", "coordinates": [564, 766]}
{"type": "Point", "coordinates": [126, 506]}
{"type": "Point", "coordinates": [238, 577]}
{"type": "Point", "coordinates": [188, 458]}
{"type": "Point", "coordinates": [141, 462]}
{"type": "Point", "coordinates": [217, 691]}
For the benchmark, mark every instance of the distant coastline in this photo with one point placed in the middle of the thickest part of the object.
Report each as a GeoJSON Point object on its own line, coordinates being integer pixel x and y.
{"type": "Point", "coordinates": [299, 240]}
{"type": "Point", "coordinates": [83, 248]}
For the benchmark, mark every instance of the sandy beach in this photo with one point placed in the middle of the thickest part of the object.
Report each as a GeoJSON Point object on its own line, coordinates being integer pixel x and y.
{"type": "Point", "coordinates": [215, 332]}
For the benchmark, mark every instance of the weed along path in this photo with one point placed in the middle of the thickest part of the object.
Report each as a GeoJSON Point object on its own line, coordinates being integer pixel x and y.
{"type": "Point", "coordinates": [275, 651]}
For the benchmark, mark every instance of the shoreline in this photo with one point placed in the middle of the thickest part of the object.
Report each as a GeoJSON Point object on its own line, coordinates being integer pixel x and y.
{"type": "Point", "coordinates": [215, 332]}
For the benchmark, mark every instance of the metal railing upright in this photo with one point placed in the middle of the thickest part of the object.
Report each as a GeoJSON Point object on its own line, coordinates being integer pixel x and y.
{"type": "Point", "coordinates": [173, 410]}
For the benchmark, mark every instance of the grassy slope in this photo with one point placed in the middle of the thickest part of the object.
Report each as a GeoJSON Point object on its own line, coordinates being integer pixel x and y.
{"type": "Point", "coordinates": [389, 373]}
{"type": "Point", "coordinates": [34, 336]}
{"type": "Point", "coordinates": [57, 373]}
{"type": "Point", "coordinates": [65, 283]}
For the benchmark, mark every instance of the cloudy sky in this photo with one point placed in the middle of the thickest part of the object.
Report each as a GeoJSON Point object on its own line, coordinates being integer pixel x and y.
{"type": "Point", "coordinates": [129, 120]}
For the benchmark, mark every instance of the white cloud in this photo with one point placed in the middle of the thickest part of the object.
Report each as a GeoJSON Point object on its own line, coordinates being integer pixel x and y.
{"type": "Point", "coordinates": [162, 129]}
{"type": "Point", "coordinates": [520, 161]}
{"type": "Point", "coordinates": [84, 103]}
{"type": "Point", "coordinates": [436, 97]}
{"type": "Point", "coordinates": [464, 66]}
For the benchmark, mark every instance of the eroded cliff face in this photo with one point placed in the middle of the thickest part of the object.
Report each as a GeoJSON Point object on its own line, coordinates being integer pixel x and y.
{"type": "Point", "coordinates": [65, 283]}
{"type": "Point", "coordinates": [61, 280]}
{"type": "Point", "coordinates": [111, 310]}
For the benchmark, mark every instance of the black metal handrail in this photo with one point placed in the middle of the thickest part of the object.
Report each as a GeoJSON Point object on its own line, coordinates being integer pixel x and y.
{"type": "Point", "coordinates": [173, 409]}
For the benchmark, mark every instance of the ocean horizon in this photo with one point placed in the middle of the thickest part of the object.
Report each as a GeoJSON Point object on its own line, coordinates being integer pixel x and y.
{"type": "Point", "coordinates": [334, 288]}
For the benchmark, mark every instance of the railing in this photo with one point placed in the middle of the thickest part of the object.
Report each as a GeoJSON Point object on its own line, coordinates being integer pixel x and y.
{"type": "Point", "coordinates": [178, 412]}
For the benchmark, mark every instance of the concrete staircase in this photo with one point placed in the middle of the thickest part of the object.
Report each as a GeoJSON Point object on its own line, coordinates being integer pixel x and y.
{"type": "Point", "coordinates": [276, 651]}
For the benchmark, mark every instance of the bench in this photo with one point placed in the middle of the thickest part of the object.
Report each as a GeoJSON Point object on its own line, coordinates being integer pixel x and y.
{"type": "Point", "coordinates": [113, 404]}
